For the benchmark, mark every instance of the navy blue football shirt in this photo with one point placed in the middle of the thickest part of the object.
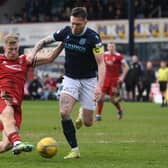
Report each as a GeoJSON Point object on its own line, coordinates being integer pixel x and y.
{"type": "Point", "coordinates": [80, 61]}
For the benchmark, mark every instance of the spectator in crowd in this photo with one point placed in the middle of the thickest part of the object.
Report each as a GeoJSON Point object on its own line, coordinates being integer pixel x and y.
{"type": "Point", "coordinates": [58, 10]}
{"type": "Point", "coordinates": [49, 87]}
{"type": "Point", "coordinates": [162, 78]}
{"type": "Point", "coordinates": [5, 18]}
{"type": "Point", "coordinates": [148, 77]}
{"type": "Point", "coordinates": [140, 6]}
{"type": "Point", "coordinates": [35, 88]}
{"type": "Point", "coordinates": [134, 78]}
{"type": "Point", "coordinates": [128, 86]}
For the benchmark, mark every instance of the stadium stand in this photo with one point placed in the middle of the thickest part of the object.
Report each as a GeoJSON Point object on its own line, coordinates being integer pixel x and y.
{"type": "Point", "coordinates": [51, 10]}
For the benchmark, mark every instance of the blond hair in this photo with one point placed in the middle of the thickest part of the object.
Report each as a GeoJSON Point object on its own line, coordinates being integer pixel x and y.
{"type": "Point", "coordinates": [11, 39]}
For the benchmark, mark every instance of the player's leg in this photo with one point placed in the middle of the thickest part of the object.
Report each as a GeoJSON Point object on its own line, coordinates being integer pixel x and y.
{"type": "Point", "coordinates": [116, 99]}
{"type": "Point", "coordinates": [66, 104]}
{"type": "Point", "coordinates": [85, 117]}
{"type": "Point", "coordinates": [78, 121]}
{"type": "Point", "coordinates": [9, 126]}
{"type": "Point", "coordinates": [162, 87]}
{"type": "Point", "coordinates": [100, 104]}
{"type": "Point", "coordinates": [99, 109]}
{"type": "Point", "coordinates": [5, 145]}
{"type": "Point", "coordinates": [68, 96]}
{"type": "Point", "coordinates": [88, 117]}
{"type": "Point", "coordinates": [164, 103]}
{"type": "Point", "coordinates": [87, 101]}
{"type": "Point", "coordinates": [117, 104]}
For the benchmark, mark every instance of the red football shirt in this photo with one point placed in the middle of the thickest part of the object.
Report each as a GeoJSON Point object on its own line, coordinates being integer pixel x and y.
{"type": "Point", "coordinates": [13, 77]}
{"type": "Point", "coordinates": [113, 71]}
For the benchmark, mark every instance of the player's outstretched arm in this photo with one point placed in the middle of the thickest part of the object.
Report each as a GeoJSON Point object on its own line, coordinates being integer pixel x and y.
{"type": "Point", "coordinates": [101, 68]}
{"type": "Point", "coordinates": [98, 53]}
{"type": "Point", "coordinates": [41, 59]}
{"type": "Point", "coordinates": [39, 45]}
{"type": "Point", "coordinates": [101, 72]}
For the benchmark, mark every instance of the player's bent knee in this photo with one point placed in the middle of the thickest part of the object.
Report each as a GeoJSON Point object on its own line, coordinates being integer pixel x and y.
{"type": "Point", "coordinates": [101, 100]}
{"type": "Point", "coordinates": [88, 123]}
{"type": "Point", "coordinates": [115, 99]}
{"type": "Point", "coordinates": [112, 99]}
{"type": "Point", "coordinates": [65, 115]}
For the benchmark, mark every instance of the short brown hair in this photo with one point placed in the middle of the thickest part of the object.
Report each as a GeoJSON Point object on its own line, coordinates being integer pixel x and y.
{"type": "Point", "coordinates": [79, 12]}
{"type": "Point", "coordinates": [11, 39]}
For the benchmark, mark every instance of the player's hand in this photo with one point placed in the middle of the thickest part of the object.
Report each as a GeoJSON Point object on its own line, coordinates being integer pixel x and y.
{"type": "Point", "coordinates": [121, 79]}
{"type": "Point", "coordinates": [97, 93]}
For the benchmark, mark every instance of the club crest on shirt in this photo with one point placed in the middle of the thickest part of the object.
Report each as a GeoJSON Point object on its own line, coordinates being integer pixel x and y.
{"type": "Point", "coordinates": [82, 41]}
{"type": "Point", "coordinates": [67, 37]}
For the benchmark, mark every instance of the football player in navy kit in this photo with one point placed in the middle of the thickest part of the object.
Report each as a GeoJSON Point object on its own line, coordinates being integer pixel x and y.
{"type": "Point", "coordinates": [83, 59]}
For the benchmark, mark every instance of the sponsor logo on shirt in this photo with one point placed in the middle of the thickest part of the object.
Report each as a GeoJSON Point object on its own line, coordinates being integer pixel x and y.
{"type": "Point", "coordinates": [14, 67]}
{"type": "Point", "coordinates": [82, 41]}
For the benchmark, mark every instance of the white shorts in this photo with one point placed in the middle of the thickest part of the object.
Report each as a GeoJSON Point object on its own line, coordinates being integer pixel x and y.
{"type": "Point", "coordinates": [82, 90]}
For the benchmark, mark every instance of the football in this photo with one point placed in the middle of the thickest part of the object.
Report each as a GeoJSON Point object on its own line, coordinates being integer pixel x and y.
{"type": "Point", "coordinates": [47, 147]}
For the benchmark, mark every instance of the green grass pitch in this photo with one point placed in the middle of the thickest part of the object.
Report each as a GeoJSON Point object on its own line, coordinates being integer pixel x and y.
{"type": "Point", "coordinates": [139, 140]}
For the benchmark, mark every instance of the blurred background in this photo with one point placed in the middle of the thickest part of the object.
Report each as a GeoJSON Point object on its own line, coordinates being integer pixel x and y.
{"type": "Point", "coordinates": [35, 19]}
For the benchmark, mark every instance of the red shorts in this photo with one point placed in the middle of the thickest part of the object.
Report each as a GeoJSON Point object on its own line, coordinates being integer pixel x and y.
{"type": "Point", "coordinates": [109, 85]}
{"type": "Point", "coordinates": [17, 113]}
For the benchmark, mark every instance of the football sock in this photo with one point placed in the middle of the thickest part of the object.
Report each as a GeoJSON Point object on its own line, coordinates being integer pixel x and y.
{"type": "Point", "coordinates": [69, 132]}
{"type": "Point", "coordinates": [75, 149]}
{"type": "Point", "coordinates": [99, 107]}
{"type": "Point", "coordinates": [13, 137]}
{"type": "Point", "coordinates": [163, 99]}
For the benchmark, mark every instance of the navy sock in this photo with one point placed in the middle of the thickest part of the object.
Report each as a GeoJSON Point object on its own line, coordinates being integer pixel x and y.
{"type": "Point", "coordinates": [163, 100]}
{"type": "Point", "coordinates": [69, 132]}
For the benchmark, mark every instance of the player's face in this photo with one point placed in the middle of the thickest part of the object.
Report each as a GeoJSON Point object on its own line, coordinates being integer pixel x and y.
{"type": "Point", "coordinates": [111, 47]}
{"type": "Point", "coordinates": [78, 24]}
{"type": "Point", "coordinates": [11, 51]}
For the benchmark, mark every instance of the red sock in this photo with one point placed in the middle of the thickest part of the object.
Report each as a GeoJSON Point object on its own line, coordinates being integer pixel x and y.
{"type": "Point", "coordinates": [13, 137]}
{"type": "Point", "coordinates": [118, 106]}
{"type": "Point", "coordinates": [99, 107]}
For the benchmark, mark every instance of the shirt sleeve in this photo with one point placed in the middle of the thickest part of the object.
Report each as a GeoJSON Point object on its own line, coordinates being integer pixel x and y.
{"type": "Point", "coordinates": [98, 47]}
{"type": "Point", "coordinates": [61, 34]}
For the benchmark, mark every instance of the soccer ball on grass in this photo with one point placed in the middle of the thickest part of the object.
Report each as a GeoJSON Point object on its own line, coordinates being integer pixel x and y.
{"type": "Point", "coordinates": [47, 147]}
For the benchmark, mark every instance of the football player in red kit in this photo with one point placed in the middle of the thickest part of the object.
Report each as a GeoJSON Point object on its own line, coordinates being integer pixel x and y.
{"type": "Point", "coordinates": [12, 79]}
{"type": "Point", "coordinates": [116, 70]}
